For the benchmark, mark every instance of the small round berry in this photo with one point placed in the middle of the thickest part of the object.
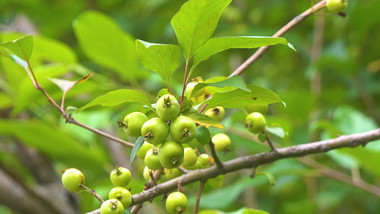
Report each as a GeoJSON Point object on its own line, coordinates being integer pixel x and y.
{"type": "Point", "coordinates": [133, 123]}
{"type": "Point", "coordinates": [152, 159]}
{"type": "Point", "coordinates": [171, 154]}
{"type": "Point", "coordinates": [144, 149]}
{"type": "Point", "coordinates": [189, 158]}
{"type": "Point", "coordinates": [73, 179]}
{"type": "Point", "coordinates": [167, 107]}
{"type": "Point", "coordinates": [121, 194]}
{"type": "Point", "coordinates": [176, 203]}
{"type": "Point", "coordinates": [216, 113]}
{"type": "Point", "coordinates": [171, 173]}
{"type": "Point", "coordinates": [112, 206]}
{"type": "Point", "coordinates": [183, 129]}
{"type": "Point", "coordinates": [336, 6]}
{"type": "Point", "coordinates": [204, 160]}
{"type": "Point", "coordinates": [120, 176]}
{"type": "Point", "coordinates": [155, 131]}
{"type": "Point", "coordinates": [255, 122]}
{"type": "Point", "coordinates": [221, 142]}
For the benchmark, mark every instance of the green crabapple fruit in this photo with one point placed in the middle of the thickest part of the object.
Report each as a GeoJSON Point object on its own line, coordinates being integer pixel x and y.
{"type": "Point", "coordinates": [112, 206]}
{"type": "Point", "coordinates": [171, 173]}
{"type": "Point", "coordinates": [167, 107]}
{"type": "Point", "coordinates": [73, 179]}
{"type": "Point", "coordinates": [255, 122]}
{"type": "Point", "coordinates": [183, 129]}
{"type": "Point", "coordinates": [204, 160]}
{"type": "Point", "coordinates": [120, 176]}
{"type": "Point", "coordinates": [171, 154]}
{"type": "Point", "coordinates": [133, 123]}
{"type": "Point", "coordinates": [221, 141]}
{"type": "Point", "coordinates": [216, 113]}
{"type": "Point", "coordinates": [176, 203]}
{"type": "Point", "coordinates": [336, 6]}
{"type": "Point", "coordinates": [152, 160]}
{"type": "Point", "coordinates": [189, 157]}
{"type": "Point", "coordinates": [144, 149]}
{"type": "Point", "coordinates": [262, 108]}
{"type": "Point", "coordinates": [146, 174]}
{"type": "Point", "coordinates": [121, 194]}
{"type": "Point", "coordinates": [155, 131]}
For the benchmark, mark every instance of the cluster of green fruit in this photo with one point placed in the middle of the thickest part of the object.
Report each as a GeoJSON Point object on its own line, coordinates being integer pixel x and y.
{"type": "Point", "coordinates": [119, 196]}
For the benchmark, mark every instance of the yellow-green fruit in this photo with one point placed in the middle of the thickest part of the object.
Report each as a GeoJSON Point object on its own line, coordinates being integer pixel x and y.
{"type": "Point", "coordinates": [155, 131]}
{"type": "Point", "coordinates": [336, 6]}
{"type": "Point", "coordinates": [120, 176]}
{"type": "Point", "coordinates": [167, 107]}
{"type": "Point", "coordinates": [171, 173]}
{"type": "Point", "coordinates": [121, 194]}
{"type": "Point", "coordinates": [262, 108]}
{"type": "Point", "coordinates": [183, 129]}
{"type": "Point", "coordinates": [204, 160]}
{"type": "Point", "coordinates": [176, 203]}
{"type": "Point", "coordinates": [146, 174]}
{"type": "Point", "coordinates": [152, 160]}
{"type": "Point", "coordinates": [216, 113]}
{"type": "Point", "coordinates": [255, 122]}
{"type": "Point", "coordinates": [133, 123]}
{"type": "Point", "coordinates": [73, 179]}
{"type": "Point", "coordinates": [171, 154]}
{"type": "Point", "coordinates": [112, 206]}
{"type": "Point", "coordinates": [221, 141]}
{"type": "Point", "coordinates": [144, 149]}
{"type": "Point", "coordinates": [190, 157]}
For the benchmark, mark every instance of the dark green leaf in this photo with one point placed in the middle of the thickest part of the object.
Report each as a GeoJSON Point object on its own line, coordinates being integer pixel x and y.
{"type": "Point", "coordinates": [234, 81]}
{"type": "Point", "coordinates": [205, 120]}
{"type": "Point", "coordinates": [195, 23]}
{"type": "Point", "coordinates": [22, 47]}
{"type": "Point", "coordinates": [270, 177]}
{"type": "Point", "coordinates": [218, 44]}
{"type": "Point", "coordinates": [118, 97]}
{"type": "Point", "coordinates": [160, 58]}
{"type": "Point", "coordinates": [239, 98]}
{"type": "Point", "coordinates": [203, 135]}
{"type": "Point", "coordinates": [262, 137]}
{"type": "Point", "coordinates": [139, 142]}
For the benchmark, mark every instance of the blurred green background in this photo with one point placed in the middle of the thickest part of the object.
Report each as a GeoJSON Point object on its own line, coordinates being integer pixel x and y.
{"type": "Point", "coordinates": [331, 86]}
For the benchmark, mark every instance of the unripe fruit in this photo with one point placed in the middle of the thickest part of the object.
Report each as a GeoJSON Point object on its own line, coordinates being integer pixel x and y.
{"type": "Point", "coordinates": [146, 174]}
{"type": "Point", "coordinates": [171, 154]}
{"type": "Point", "coordinates": [151, 159]}
{"type": "Point", "coordinates": [189, 158]}
{"type": "Point", "coordinates": [221, 142]}
{"type": "Point", "coordinates": [120, 176]}
{"type": "Point", "coordinates": [336, 6]}
{"type": "Point", "coordinates": [216, 113]}
{"type": "Point", "coordinates": [121, 194]}
{"type": "Point", "coordinates": [171, 173]}
{"type": "Point", "coordinates": [262, 108]}
{"type": "Point", "coordinates": [167, 107]}
{"type": "Point", "coordinates": [255, 122]}
{"type": "Point", "coordinates": [196, 165]}
{"type": "Point", "coordinates": [112, 206]}
{"type": "Point", "coordinates": [72, 179]}
{"type": "Point", "coordinates": [133, 123]}
{"type": "Point", "coordinates": [176, 203]}
{"type": "Point", "coordinates": [204, 160]}
{"type": "Point", "coordinates": [155, 131]}
{"type": "Point", "coordinates": [144, 149]}
{"type": "Point", "coordinates": [183, 129]}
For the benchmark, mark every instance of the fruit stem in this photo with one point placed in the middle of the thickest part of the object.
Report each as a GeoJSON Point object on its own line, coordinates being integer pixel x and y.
{"type": "Point", "coordinates": [184, 82]}
{"type": "Point", "coordinates": [218, 163]}
{"type": "Point", "coordinates": [92, 192]}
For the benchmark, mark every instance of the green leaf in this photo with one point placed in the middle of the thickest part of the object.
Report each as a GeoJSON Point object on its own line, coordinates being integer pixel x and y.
{"type": "Point", "coordinates": [104, 42]}
{"type": "Point", "coordinates": [118, 97]}
{"type": "Point", "coordinates": [276, 130]}
{"type": "Point", "coordinates": [270, 177]}
{"type": "Point", "coordinates": [216, 182]}
{"type": "Point", "coordinates": [160, 58]}
{"type": "Point", "coordinates": [4, 53]}
{"type": "Point", "coordinates": [218, 44]}
{"type": "Point", "coordinates": [203, 135]}
{"type": "Point", "coordinates": [66, 85]}
{"type": "Point", "coordinates": [139, 142]}
{"type": "Point", "coordinates": [22, 47]}
{"type": "Point", "coordinates": [239, 98]}
{"type": "Point", "coordinates": [205, 120]}
{"type": "Point", "coordinates": [234, 81]}
{"type": "Point", "coordinates": [46, 49]}
{"type": "Point", "coordinates": [195, 23]}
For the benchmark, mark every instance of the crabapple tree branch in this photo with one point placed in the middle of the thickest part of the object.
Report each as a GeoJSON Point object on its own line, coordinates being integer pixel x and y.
{"type": "Point", "coordinates": [280, 32]}
{"type": "Point", "coordinates": [252, 161]}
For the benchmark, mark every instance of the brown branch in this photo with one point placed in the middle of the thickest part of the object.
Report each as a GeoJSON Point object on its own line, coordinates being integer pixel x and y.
{"type": "Point", "coordinates": [92, 192]}
{"type": "Point", "coordinates": [280, 32]}
{"type": "Point", "coordinates": [218, 163]}
{"type": "Point", "coordinates": [199, 194]}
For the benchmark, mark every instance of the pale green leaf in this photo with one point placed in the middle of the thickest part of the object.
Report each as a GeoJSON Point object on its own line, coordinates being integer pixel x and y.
{"type": "Point", "coordinates": [22, 47]}
{"type": "Point", "coordinates": [118, 97]}
{"type": "Point", "coordinates": [139, 142]}
{"type": "Point", "coordinates": [218, 44]}
{"type": "Point", "coordinates": [270, 177]}
{"type": "Point", "coordinates": [163, 59]}
{"type": "Point", "coordinates": [239, 98]}
{"type": "Point", "coordinates": [205, 120]}
{"type": "Point", "coordinates": [234, 81]}
{"type": "Point", "coordinates": [195, 23]}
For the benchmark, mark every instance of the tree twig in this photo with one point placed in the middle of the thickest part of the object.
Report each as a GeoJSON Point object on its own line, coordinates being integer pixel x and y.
{"type": "Point", "coordinates": [92, 192]}
{"type": "Point", "coordinates": [199, 194]}
{"type": "Point", "coordinates": [280, 32]}
{"type": "Point", "coordinates": [218, 163]}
